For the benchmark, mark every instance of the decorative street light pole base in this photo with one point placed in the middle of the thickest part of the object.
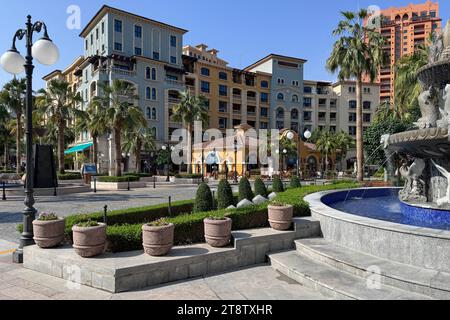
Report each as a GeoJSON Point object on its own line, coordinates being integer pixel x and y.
{"type": "Point", "coordinates": [18, 256]}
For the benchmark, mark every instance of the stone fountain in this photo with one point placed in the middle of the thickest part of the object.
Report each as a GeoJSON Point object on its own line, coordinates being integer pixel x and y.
{"type": "Point", "coordinates": [427, 170]}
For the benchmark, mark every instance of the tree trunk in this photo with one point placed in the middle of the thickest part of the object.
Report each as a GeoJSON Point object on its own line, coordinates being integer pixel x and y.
{"type": "Point", "coordinates": [359, 131]}
{"type": "Point", "coordinates": [118, 152]}
{"type": "Point", "coordinates": [189, 156]}
{"type": "Point", "coordinates": [6, 155]}
{"type": "Point", "coordinates": [138, 156]}
{"type": "Point", "coordinates": [95, 150]}
{"type": "Point", "coordinates": [18, 140]}
{"type": "Point", "coordinates": [61, 148]}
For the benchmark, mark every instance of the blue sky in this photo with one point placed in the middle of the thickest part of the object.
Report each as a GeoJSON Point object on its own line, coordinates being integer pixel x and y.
{"type": "Point", "coordinates": [243, 30]}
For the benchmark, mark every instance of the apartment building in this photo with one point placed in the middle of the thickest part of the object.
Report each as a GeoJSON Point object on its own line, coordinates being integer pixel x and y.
{"type": "Point", "coordinates": [404, 28]}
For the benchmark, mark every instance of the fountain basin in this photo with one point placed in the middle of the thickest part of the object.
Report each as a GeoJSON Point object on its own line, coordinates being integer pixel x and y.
{"type": "Point", "coordinates": [404, 243]}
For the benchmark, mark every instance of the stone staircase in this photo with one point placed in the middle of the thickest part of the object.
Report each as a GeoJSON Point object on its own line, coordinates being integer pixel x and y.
{"type": "Point", "coordinates": [341, 273]}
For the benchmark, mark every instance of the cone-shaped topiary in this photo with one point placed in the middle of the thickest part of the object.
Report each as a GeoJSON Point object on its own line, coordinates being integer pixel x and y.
{"type": "Point", "coordinates": [204, 199]}
{"type": "Point", "coordinates": [225, 196]}
{"type": "Point", "coordinates": [295, 182]}
{"type": "Point", "coordinates": [260, 188]}
{"type": "Point", "coordinates": [277, 185]}
{"type": "Point", "coordinates": [245, 190]}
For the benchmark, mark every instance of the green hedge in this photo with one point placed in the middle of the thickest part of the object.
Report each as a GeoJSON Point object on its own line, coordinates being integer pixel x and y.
{"type": "Point", "coordinates": [188, 176]}
{"type": "Point", "coordinates": [70, 176]}
{"type": "Point", "coordinates": [119, 179]}
{"type": "Point", "coordinates": [140, 175]}
{"type": "Point", "coordinates": [189, 227]}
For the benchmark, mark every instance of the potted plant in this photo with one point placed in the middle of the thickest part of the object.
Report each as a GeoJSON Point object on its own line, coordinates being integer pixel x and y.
{"type": "Point", "coordinates": [218, 231]}
{"type": "Point", "coordinates": [280, 215]}
{"type": "Point", "coordinates": [89, 238]}
{"type": "Point", "coordinates": [48, 230]}
{"type": "Point", "coordinates": [158, 237]}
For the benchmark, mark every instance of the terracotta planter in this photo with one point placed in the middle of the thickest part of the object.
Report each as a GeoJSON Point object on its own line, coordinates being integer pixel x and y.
{"type": "Point", "coordinates": [158, 241]}
{"type": "Point", "coordinates": [280, 218]}
{"type": "Point", "coordinates": [218, 232]}
{"type": "Point", "coordinates": [89, 242]}
{"type": "Point", "coordinates": [49, 234]}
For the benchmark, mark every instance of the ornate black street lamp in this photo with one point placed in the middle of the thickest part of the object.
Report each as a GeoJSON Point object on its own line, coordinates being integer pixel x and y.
{"type": "Point", "coordinates": [45, 52]}
{"type": "Point", "coordinates": [235, 144]}
{"type": "Point", "coordinates": [168, 148]}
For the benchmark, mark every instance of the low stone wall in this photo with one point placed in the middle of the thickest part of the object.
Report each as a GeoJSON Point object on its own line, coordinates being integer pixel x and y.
{"type": "Point", "coordinates": [134, 270]}
{"type": "Point", "coordinates": [421, 247]}
{"type": "Point", "coordinates": [48, 192]}
{"type": "Point", "coordinates": [114, 186]}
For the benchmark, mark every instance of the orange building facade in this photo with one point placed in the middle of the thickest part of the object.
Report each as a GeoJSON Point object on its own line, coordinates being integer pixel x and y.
{"type": "Point", "coordinates": [404, 28]}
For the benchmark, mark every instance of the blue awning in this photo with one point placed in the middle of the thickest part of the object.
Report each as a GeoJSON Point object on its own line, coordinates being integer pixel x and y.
{"type": "Point", "coordinates": [79, 148]}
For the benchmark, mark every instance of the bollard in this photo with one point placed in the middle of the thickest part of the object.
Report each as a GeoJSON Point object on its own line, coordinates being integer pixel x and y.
{"type": "Point", "coordinates": [154, 182]}
{"type": "Point", "coordinates": [54, 191]}
{"type": "Point", "coordinates": [128, 188]}
{"type": "Point", "coordinates": [170, 206]}
{"type": "Point", "coordinates": [213, 199]}
{"type": "Point", "coordinates": [105, 215]}
{"type": "Point", "coordinates": [95, 184]}
{"type": "Point", "coordinates": [4, 191]}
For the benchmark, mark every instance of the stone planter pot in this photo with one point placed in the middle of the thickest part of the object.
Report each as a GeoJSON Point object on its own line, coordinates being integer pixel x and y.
{"type": "Point", "coordinates": [218, 232]}
{"type": "Point", "coordinates": [280, 218]}
{"type": "Point", "coordinates": [49, 234]}
{"type": "Point", "coordinates": [158, 241]}
{"type": "Point", "coordinates": [89, 242]}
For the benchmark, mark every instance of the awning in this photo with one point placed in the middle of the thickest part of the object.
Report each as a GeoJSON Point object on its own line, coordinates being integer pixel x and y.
{"type": "Point", "coordinates": [79, 148]}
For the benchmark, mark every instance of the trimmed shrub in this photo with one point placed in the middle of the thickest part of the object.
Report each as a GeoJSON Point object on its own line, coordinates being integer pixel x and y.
{"type": "Point", "coordinates": [70, 176]}
{"type": "Point", "coordinates": [260, 188]}
{"type": "Point", "coordinates": [245, 190]}
{"type": "Point", "coordinates": [204, 199]}
{"type": "Point", "coordinates": [119, 179]}
{"type": "Point", "coordinates": [277, 186]}
{"type": "Point", "coordinates": [225, 196]}
{"type": "Point", "coordinates": [140, 175]}
{"type": "Point", "coordinates": [295, 182]}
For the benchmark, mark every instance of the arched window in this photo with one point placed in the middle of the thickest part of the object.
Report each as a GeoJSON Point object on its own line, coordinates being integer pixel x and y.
{"type": "Point", "coordinates": [154, 133]}
{"type": "Point", "coordinates": [205, 72]}
{"type": "Point", "coordinates": [223, 76]}
{"type": "Point", "coordinates": [148, 93]}
{"type": "Point", "coordinates": [294, 114]}
{"type": "Point", "coordinates": [154, 74]}
{"type": "Point", "coordinates": [264, 84]}
{"type": "Point", "coordinates": [154, 94]}
{"type": "Point", "coordinates": [280, 96]}
{"type": "Point", "coordinates": [149, 114]}
{"type": "Point", "coordinates": [154, 114]}
{"type": "Point", "coordinates": [295, 98]}
{"type": "Point", "coordinates": [280, 113]}
{"type": "Point", "coordinates": [147, 73]}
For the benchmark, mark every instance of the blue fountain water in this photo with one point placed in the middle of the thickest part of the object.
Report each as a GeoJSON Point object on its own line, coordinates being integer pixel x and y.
{"type": "Point", "coordinates": [384, 204]}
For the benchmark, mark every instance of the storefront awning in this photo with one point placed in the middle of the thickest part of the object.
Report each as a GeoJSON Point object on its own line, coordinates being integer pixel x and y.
{"type": "Point", "coordinates": [79, 148]}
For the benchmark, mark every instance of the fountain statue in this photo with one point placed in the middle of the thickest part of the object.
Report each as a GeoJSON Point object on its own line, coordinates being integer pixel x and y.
{"type": "Point", "coordinates": [428, 147]}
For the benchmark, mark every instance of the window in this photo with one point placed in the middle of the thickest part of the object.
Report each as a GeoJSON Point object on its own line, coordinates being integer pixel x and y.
{"type": "Point", "coordinates": [280, 96]}
{"type": "Point", "coordinates": [307, 89]}
{"type": "Point", "coordinates": [307, 116]}
{"type": "Point", "coordinates": [223, 123]}
{"type": "Point", "coordinates": [223, 76]}
{"type": "Point", "coordinates": [117, 26]}
{"type": "Point", "coordinates": [264, 84]}
{"type": "Point", "coordinates": [333, 116]}
{"type": "Point", "coordinates": [205, 72]}
{"type": "Point", "coordinates": [173, 41]}
{"type": "Point", "coordinates": [223, 106]}
{"type": "Point", "coordinates": [103, 28]}
{"type": "Point", "coordinates": [264, 97]}
{"type": "Point", "coordinates": [155, 55]}
{"type": "Point", "coordinates": [96, 34]}
{"type": "Point", "coordinates": [148, 93]}
{"type": "Point", "coordinates": [322, 116]}
{"type": "Point", "coordinates": [154, 94]}
{"type": "Point", "coordinates": [295, 83]}
{"type": "Point", "coordinates": [205, 87]}
{"type": "Point", "coordinates": [92, 39]}
{"type": "Point", "coordinates": [367, 117]}
{"type": "Point", "coordinates": [333, 103]}
{"type": "Point", "coordinates": [352, 104]}
{"type": "Point", "coordinates": [117, 46]}
{"type": "Point", "coordinates": [223, 90]}
{"type": "Point", "coordinates": [154, 114]}
{"type": "Point", "coordinates": [87, 45]}
{"type": "Point", "coordinates": [295, 98]}
{"type": "Point", "coordinates": [147, 73]}
{"type": "Point", "coordinates": [294, 114]}
{"type": "Point", "coordinates": [138, 51]}
{"type": "Point", "coordinates": [138, 31]}
{"type": "Point", "coordinates": [352, 131]}
{"type": "Point", "coordinates": [280, 125]}
{"type": "Point", "coordinates": [264, 112]}
{"type": "Point", "coordinates": [154, 76]}
{"type": "Point", "coordinates": [352, 117]}
{"type": "Point", "coordinates": [149, 114]}
{"type": "Point", "coordinates": [351, 89]}
{"type": "Point", "coordinates": [280, 81]}
{"type": "Point", "coordinates": [251, 110]}
{"type": "Point", "coordinates": [236, 108]}
{"type": "Point", "coordinates": [322, 102]}
{"type": "Point", "coordinates": [367, 105]}
{"type": "Point", "coordinates": [173, 60]}
{"type": "Point", "coordinates": [280, 113]}
{"type": "Point", "coordinates": [154, 133]}
{"type": "Point", "coordinates": [264, 125]}
{"type": "Point", "coordinates": [307, 102]}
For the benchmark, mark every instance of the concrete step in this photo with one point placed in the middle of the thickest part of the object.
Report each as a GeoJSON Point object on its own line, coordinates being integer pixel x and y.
{"type": "Point", "coordinates": [334, 283]}
{"type": "Point", "coordinates": [410, 278]}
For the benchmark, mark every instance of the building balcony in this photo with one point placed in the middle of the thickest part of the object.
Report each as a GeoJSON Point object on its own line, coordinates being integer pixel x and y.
{"type": "Point", "coordinates": [251, 99]}
{"type": "Point", "coordinates": [237, 97]}
{"type": "Point", "coordinates": [174, 100]}
{"type": "Point", "coordinates": [174, 82]}
{"type": "Point", "coordinates": [122, 72]}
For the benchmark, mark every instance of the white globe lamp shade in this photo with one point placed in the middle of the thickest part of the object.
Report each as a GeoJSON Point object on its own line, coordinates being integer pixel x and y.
{"type": "Point", "coordinates": [277, 152]}
{"type": "Point", "coordinates": [308, 134]}
{"type": "Point", "coordinates": [12, 62]}
{"type": "Point", "coordinates": [46, 52]}
{"type": "Point", "coordinates": [164, 148]}
{"type": "Point", "coordinates": [284, 151]}
{"type": "Point", "coordinates": [290, 135]}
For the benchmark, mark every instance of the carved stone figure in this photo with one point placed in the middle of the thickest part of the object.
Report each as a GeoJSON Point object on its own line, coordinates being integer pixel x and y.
{"type": "Point", "coordinates": [429, 109]}
{"type": "Point", "coordinates": [385, 140]}
{"type": "Point", "coordinates": [445, 121]}
{"type": "Point", "coordinates": [414, 186]}
{"type": "Point", "coordinates": [445, 200]}
{"type": "Point", "coordinates": [436, 48]}
{"type": "Point", "coordinates": [446, 41]}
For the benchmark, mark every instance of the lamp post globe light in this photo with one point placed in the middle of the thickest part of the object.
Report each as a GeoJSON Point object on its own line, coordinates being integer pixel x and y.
{"type": "Point", "coordinates": [293, 136]}
{"type": "Point", "coordinates": [45, 52]}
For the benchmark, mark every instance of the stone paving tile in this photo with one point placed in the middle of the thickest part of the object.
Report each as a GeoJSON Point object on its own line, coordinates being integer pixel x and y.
{"type": "Point", "coordinates": [22, 294]}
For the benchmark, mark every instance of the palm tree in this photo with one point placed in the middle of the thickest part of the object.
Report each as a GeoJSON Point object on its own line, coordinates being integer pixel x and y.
{"type": "Point", "coordinates": [57, 106]}
{"type": "Point", "coordinates": [137, 139]}
{"type": "Point", "coordinates": [13, 96]}
{"type": "Point", "coordinates": [344, 142]}
{"type": "Point", "coordinates": [93, 120]}
{"type": "Point", "coordinates": [190, 109]}
{"type": "Point", "coordinates": [326, 145]}
{"type": "Point", "coordinates": [357, 53]}
{"type": "Point", "coordinates": [120, 112]}
{"type": "Point", "coordinates": [4, 134]}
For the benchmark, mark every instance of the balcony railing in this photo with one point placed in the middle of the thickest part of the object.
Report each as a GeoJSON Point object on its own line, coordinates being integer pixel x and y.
{"type": "Point", "coordinates": [237, 97]}
{"type": "Point", "coordinates": [174, 82]}
{"type": "Point", "coordinates": [174, 100]}
{"type": "Point", "coordinates": [251, 98]}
